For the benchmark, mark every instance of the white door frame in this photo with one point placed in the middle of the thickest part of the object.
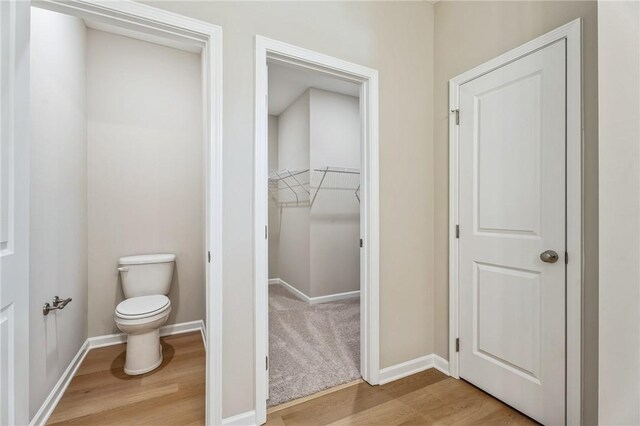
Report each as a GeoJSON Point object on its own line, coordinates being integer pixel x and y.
{"type": "Point", "coordinates": [153, 24]}
{"type": "Point", "coordinates": [268, 50]}
{"type": "Point", "coordinates": [571, 33]}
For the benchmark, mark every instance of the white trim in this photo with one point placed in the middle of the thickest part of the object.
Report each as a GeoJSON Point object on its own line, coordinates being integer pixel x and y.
{"type": "Point", "coordinates": [184, 327]}
{"type": "Point", "coordinates": [58, 390]}
{"type": "Point", "coordinates": [404, 369]}
{"type": "Point", "coordinates": [106, 340]}
{"type": "Point", "coordinates": [203, 334]}
{"type": "Point", "coordinates": [314, 300]}
{"type": "Point", "coordinates": [300, 295]}
{"type": "Point", "coordinates": [243, 419]}
{"type": "Point", "coordinates": [276, 51]}
{"type": "Point", "coordinates": [570, 32]}
{"type": "Point", "coordinates": [153, 22]}
{"type": "Point", "coordinates": [60, 387]}
{"type": "Point", "coordinates": [334, 297]}
{"type": "Point", "coordinates": [441, 364]}
{"type": "Point", "coordinates": [167, 330]}
{"type": "Point", "coordinates": [407, 368]}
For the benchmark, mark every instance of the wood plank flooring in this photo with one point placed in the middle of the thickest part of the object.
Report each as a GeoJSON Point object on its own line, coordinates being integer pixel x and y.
{"type": "Point", "coordinates": [427, 398]}
{"type": "Point", "coordinates": [101, 394]}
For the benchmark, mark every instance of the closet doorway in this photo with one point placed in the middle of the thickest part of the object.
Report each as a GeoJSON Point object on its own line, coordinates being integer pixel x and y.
{"type": "Point", "coordinates": [316, 224]}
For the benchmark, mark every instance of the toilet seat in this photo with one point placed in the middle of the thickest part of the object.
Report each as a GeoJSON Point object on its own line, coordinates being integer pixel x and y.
{"type": "Point", "coordinates": [143, 307]}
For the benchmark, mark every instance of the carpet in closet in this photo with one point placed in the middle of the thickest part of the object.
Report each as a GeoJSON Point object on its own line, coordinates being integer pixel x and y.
{"type": "Point", "coordinates": [311, 347]}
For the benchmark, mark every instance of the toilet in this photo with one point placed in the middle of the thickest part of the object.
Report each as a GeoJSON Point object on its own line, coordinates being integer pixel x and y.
{"type": "Point", "coordinates": [146, 280]}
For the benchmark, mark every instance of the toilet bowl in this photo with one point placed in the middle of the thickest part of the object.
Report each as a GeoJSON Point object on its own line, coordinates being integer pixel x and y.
{"type": "Point", "coordinates": [146, 280]}
{"type": "Point", "coordinates": [141, 318]}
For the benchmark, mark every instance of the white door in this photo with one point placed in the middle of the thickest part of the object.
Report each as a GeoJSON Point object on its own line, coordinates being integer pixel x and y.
{"type": "Point", "coordinates": [511, 210]}
{"type": "Point", "coordinates": [14, 213]}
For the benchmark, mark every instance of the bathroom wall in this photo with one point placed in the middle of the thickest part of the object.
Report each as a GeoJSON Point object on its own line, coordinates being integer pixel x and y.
{"type": "Point", "coordinates": [274, 211]}
{"type": "Point", "coordinates": [58, 197]}
{"type": "Point", "coordinates": [293, 153]}
{"type": "Point", "coordinates": [335, 214]}
{"type": "Point", "coordinates": [145, 170]}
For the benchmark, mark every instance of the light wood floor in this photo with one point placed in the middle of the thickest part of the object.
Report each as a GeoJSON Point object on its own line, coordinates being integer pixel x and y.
{"type": "Point", "coordinates": [101, 394]}
{"type": "Point", "coordinates": [427, 398]}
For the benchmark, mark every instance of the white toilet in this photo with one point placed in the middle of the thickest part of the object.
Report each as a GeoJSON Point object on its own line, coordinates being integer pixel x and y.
{"type": "Point", "coordinates": [146, 280]}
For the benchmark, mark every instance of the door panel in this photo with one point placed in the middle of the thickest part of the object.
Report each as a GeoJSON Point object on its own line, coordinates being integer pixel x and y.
{"type": "Point", "coordinates": [513, 184]}
{"type": "Point", "coordinates": [14, 213]}
{"type": "Point", "coordinates": [512, 208]}
{"type": "Point", "coordinates": [508, 334]}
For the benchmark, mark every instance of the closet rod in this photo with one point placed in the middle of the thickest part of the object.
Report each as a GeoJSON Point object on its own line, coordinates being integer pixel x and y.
{"type": "Point", "coordinates": [277, 172]}
{"type": "Point", "coordinates": [328, 170]}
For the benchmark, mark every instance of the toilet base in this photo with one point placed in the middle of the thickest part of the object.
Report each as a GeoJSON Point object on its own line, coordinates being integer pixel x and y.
{"type": "Point", "coordinates": [144, 353]}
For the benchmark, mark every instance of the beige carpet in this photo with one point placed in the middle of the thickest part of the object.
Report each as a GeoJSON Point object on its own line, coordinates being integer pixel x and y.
{"type": "Point", "coordinates": [311, 347]}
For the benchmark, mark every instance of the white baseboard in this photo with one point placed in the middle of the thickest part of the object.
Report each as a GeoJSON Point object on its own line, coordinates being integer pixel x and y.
{"type": "Point", "coordinates": [60, 387]}
{"type": "Point", "coordinates": [407, 368]}
{"type": "Point", "coordinates": [300, 295]}
{"type": "Point", "coordinates": [167, 330]}
{"type": "Point", "coordinates": [58, 390]}
{"type": "Point", "coordinates": [244, 419]}
{"type": "Point", "coordinates": [203, 333]}
{"type": "Point", "coordinates": [106, 340]}
{"type": "Point", "coordinates": [183, 327]}
{"type": "Point", "coordinates": [441, 364]}
{"type": "Point", "coordinates": [334, 297]}
{"type": "Point", "coordinates": [318, 299]}
{"type": "Point", "coordinates": [398, 371]}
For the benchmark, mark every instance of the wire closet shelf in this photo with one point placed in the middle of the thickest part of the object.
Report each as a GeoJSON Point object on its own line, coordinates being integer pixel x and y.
{"type": "Point", "coordinates": [300, 187]}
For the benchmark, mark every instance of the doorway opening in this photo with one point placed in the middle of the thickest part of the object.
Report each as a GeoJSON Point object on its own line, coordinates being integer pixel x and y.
{"type": "Point", "coordinates": [98, 161]}
{"type": "Point", "coordinates": [313, 232]}
{"type": "Point", "coordinates": [316, 223]}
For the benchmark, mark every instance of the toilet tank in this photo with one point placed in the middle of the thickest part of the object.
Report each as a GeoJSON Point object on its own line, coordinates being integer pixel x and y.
{"type": "Point", "coordinates": [147, 274]}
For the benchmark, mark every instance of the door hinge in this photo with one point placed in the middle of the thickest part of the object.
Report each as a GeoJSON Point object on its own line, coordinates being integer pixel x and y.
{"type": "Point", "coordinates": [566, 258]}
{"type": "Point", "coordinates": [209, 256]}
{"type": "Point", "coordinates": [361, 242]}
{"type": "Point", "coordinates": [266, 362]}
{"type": "Point", "coordinates": [457, 113]}
{"type": "Point", "coordinates": [457, 231]}
{"type": "Point", "coordinates": [457, 344]}
{"type": "Point", "coordinates": [266, 232]}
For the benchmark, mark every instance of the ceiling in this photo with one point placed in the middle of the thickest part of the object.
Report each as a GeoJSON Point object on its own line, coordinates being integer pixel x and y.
{"type": "Point", "coordinates": [287, 83]}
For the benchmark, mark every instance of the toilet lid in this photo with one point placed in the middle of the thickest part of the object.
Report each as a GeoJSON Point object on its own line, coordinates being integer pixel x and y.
{"type": "Point", "coordinates": [142, 305]}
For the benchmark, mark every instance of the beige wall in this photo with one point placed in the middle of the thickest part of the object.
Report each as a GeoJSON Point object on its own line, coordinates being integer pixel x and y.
{"type": "Point", "coordinates": [317, 248]}
{"type": "Point", "coordinates": [58, 197]}
{"type": "Point", "coordinates": [335, 214]}
{"type": "Point", "coordinates": [293, 230]}
{"type": "Point", "coordinates": [145, 170]}
{"type": "Point", "coordinates": [619, 110]}
{"type": "Point", "coordinates": [468, 34]}
{"type": "Point", "coordinates": [397, 39]}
